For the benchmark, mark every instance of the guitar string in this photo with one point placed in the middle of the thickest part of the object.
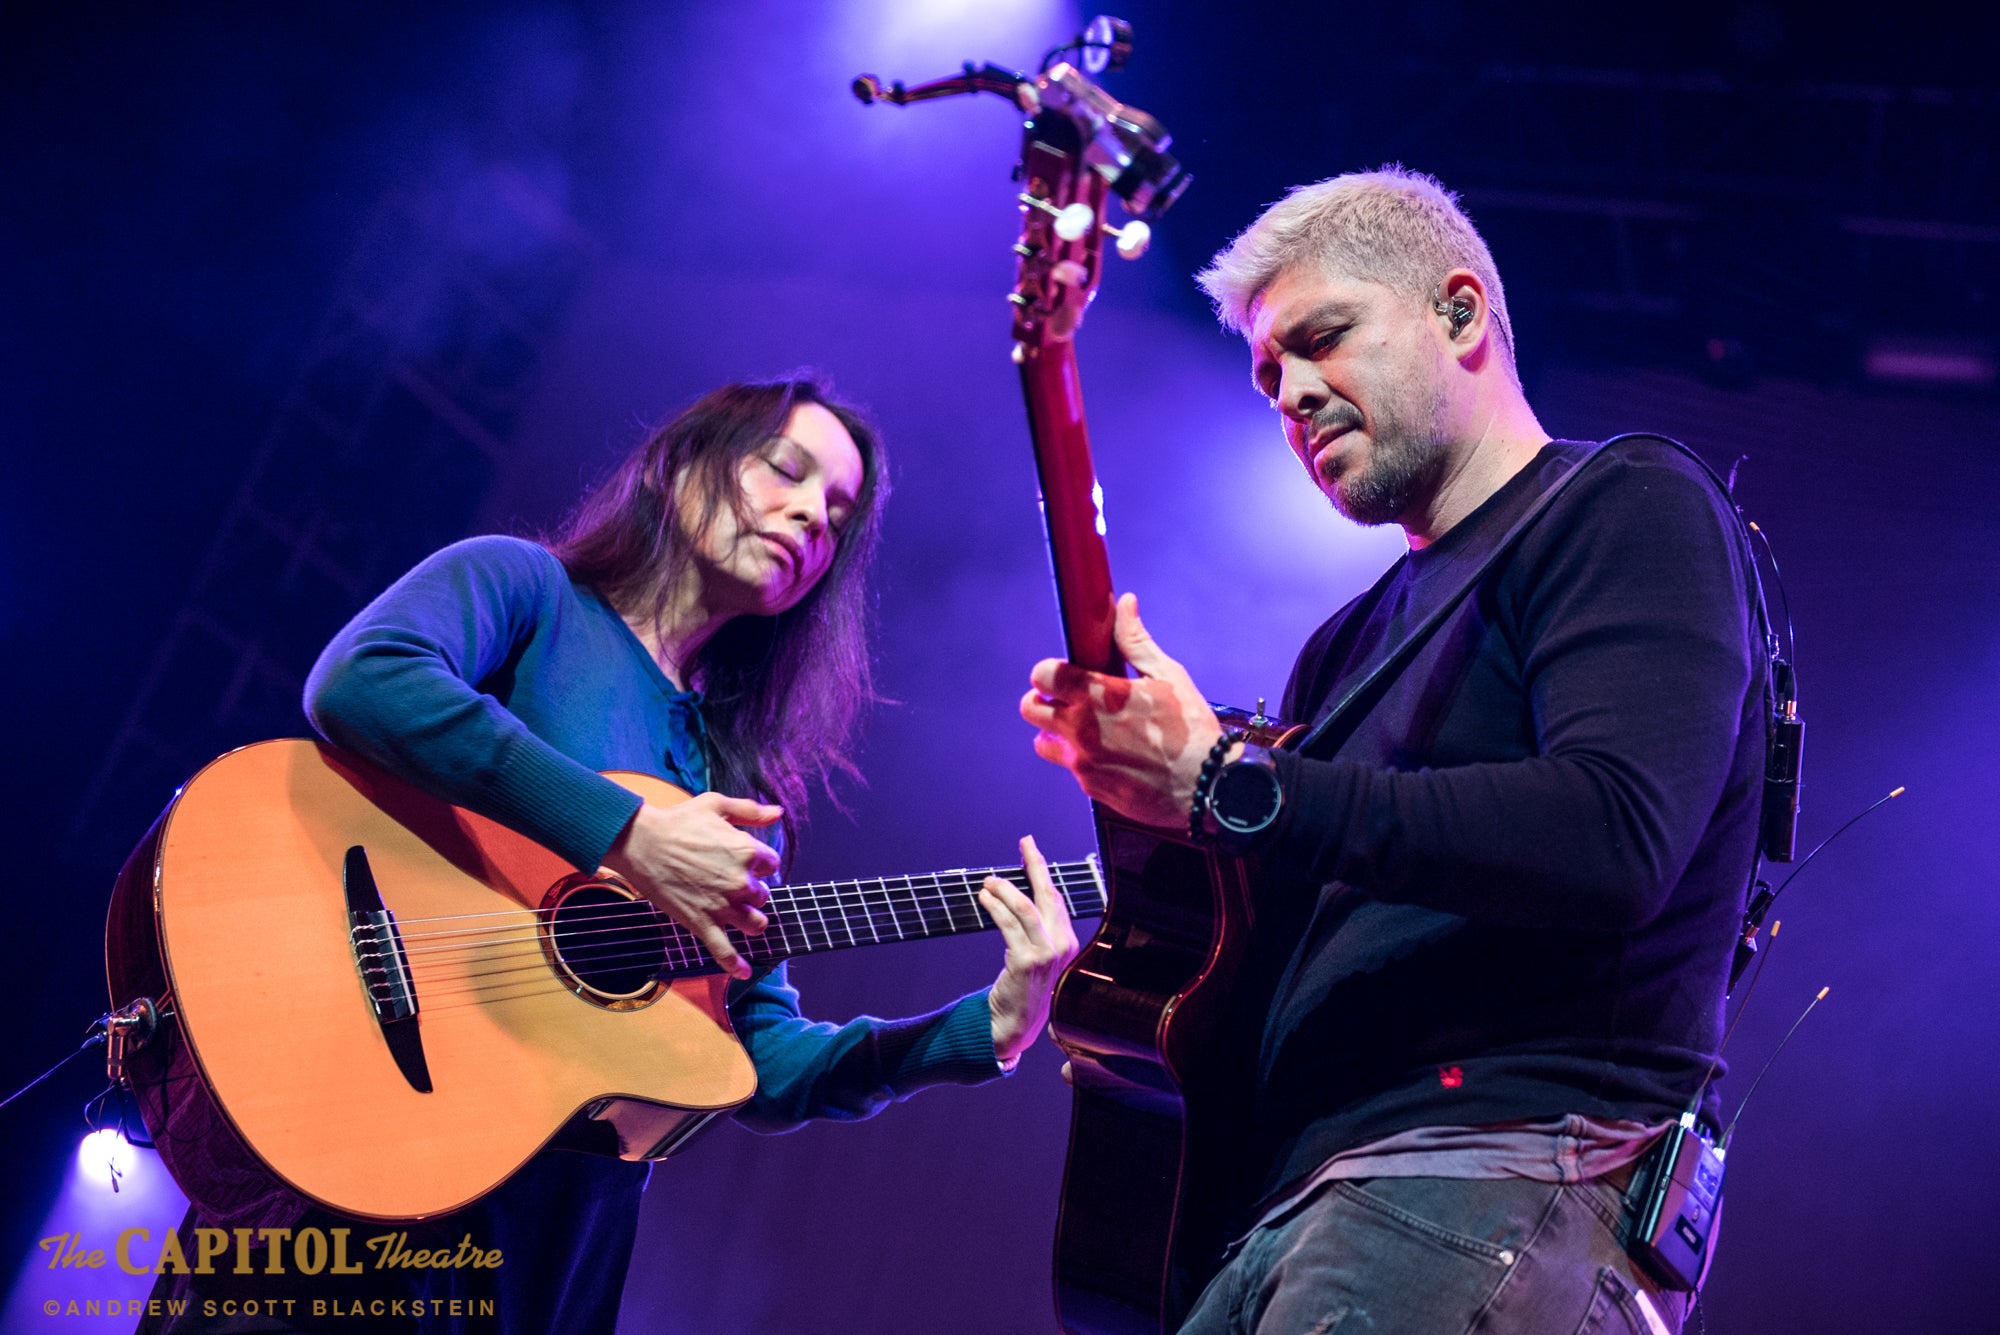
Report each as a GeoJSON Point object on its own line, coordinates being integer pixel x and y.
{"type": "Point", "coordinates": [681, 953]}
{"type": "Point", "coordinates": [877, 912]}
{"type": "Point", "coordinates": [687, 962]}
{"type": "Point", "coordinates": [654, 962]}
{"type": "Point", "coordinates": [684, 955]}
{"type": "Point", "coordinates": [654, 936]}
{"type": "Point", "coordinates": [878, 905]}
{"type": "Point", "coordinates": [665, 936]}
{"type": "Point", "coordinates": [679, 948]}
{"type": "Point", "coordinates": [483, 992]}
{"type": "Point", "coordinates": [823, 889]}
{"type": "Point", "coordinates": [665, 939]}
{"type": "Point", "coordinates": [671, 949]}
{"type": "Point", "coordinates": [1014, 875]}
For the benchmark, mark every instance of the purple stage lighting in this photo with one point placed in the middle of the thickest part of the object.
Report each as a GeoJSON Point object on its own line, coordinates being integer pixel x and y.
{"type": "Point", "coordinates": [972, 29]}
{"type": "Point", "coordinates": [1930, 362]}
{"type": "Point", "coordinates": [96, 1250]}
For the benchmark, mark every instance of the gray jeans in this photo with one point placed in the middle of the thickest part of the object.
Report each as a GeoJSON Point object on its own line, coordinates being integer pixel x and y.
{"type": "Point", "coordinates": [1438, 1256]}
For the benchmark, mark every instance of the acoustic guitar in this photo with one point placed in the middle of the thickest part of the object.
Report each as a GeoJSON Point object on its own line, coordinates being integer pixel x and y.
{"type": "Point", "coordinates": [1144, 1008]}
{"type": "Point", "coordinates": [373, 1001]}
{"type": "Point", "coordinates": [1144, 1011]}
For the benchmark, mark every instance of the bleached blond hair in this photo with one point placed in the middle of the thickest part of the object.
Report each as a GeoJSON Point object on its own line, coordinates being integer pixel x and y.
{"type": "Point", "coordinates": [1392, 226]}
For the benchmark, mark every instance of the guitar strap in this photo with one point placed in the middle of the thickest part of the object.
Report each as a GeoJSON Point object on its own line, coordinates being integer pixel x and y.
{"type": "Point", "coordinates": [1335, 726]}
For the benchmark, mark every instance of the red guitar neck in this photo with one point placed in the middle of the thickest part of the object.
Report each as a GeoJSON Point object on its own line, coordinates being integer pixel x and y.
{"type": "Point", "coordinates": [1072, 504]}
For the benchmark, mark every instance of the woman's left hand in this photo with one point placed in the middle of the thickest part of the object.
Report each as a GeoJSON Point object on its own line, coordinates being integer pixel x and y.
{"type": "Point", "coordinates": [1040, 944]}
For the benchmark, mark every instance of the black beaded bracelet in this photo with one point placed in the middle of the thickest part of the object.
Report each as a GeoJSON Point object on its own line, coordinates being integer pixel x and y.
{"type": "Point", "coordinates": [1205, 785]}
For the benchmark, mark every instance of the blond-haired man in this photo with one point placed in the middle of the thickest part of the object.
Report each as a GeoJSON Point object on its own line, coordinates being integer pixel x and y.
{"type": "Point", "coordinates": [1515, 873]}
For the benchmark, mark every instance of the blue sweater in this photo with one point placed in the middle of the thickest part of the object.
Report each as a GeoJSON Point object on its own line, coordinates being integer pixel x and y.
{"type": "Point", "coordinates": [488, 678]}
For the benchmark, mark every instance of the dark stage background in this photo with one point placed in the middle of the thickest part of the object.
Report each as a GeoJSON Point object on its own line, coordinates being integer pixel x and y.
{"type": "Point", "coordinates": [296, 293]}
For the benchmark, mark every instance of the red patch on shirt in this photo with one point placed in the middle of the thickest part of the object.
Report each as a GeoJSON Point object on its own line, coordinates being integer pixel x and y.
{"type": "Point", "coordinates": [1451, 1077]}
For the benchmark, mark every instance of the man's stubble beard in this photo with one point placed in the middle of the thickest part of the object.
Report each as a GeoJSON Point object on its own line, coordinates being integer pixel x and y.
{"type": "Point", "coordinates": [1407, 460]}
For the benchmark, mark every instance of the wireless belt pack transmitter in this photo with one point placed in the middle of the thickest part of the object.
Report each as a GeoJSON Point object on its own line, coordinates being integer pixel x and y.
{"type": "Point", "coordinates": [1673, 1206]}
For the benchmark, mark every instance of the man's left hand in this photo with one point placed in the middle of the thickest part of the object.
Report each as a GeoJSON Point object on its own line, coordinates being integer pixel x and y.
{"type": "Point", "coordinates": [1135, 744]}
{"type": "Point", "coordinates": [1040, 945]}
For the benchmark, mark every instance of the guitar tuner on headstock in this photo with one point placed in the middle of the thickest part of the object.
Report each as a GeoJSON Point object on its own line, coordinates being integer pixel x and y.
{"type": "Point", "coordinates": [1134, 239]}
{"type": "Point", "coordinates": [1081, 146]}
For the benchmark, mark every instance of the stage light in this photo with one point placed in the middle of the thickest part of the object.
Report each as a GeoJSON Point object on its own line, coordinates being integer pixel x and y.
{"type": "Point", "coordinates": [1014, 32]}
{"type": "Point", "coordinates": [1929, 361]}
{"type": "Point", "coordinates": [106, 1157]}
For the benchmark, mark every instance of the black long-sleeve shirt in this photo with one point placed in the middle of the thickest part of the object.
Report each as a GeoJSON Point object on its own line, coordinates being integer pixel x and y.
{"type": "Point", "coordinates": [1529, 858]}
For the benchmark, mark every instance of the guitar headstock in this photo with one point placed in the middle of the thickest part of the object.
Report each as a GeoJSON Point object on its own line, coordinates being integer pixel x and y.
{"type": "Point", "coordinates": [1082, 146]}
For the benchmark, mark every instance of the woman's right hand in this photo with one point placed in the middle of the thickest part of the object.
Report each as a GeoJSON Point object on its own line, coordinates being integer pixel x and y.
{"type": "Point", "coordinates": [702, 871]}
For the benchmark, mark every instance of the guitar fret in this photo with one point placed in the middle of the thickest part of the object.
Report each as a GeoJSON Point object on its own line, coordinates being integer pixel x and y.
{"type": "Point", "coordinates": [787, 928]}
{"type": "Point", "coordinates": [883, 910]}
{"type": "Point", "coordinates": [854, 907]}
{"type": "Point", "coordinates": [943, 914]}
{"type": "Point", "coordinates": [843, 892]}
{"type": "Point", "coordinates": [966, 915]}
{"type": "Point", "coordinates": [825, 930]}
{"type": "Point", "coordinates": [975, 916]}
{"type": "Point", "coordinates": [909, 911]}
{"type": "Point", "coordinates": [837, 915]}
{"type": "Point", "coordinates": [854, 896]}
{"type": "Point", "coordinates": [777, 929]}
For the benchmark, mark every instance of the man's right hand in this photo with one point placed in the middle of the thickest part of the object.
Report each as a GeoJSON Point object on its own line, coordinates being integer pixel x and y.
{"type": "Point", "coordinates": [699, 869]}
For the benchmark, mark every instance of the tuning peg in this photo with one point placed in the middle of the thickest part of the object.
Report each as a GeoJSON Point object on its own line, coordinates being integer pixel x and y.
{"type": "Point", "coordinates": [1134, 238]}
{"type": "Point", "coordinates": [1072, 221]}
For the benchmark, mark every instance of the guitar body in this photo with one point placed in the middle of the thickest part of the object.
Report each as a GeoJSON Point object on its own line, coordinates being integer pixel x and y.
{"type": "Point", "coordinates": [1140, 1013]}
{"type": "Point", "coordinates": [272, 1083]}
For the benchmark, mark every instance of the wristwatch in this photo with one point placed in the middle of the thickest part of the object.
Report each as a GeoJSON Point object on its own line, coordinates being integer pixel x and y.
{"type": "Point", "coordinates": [1244, 801]}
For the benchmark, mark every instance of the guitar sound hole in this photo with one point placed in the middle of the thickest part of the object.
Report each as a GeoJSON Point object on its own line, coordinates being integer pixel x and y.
{"type": "Point", "coordinates": [608, 942]}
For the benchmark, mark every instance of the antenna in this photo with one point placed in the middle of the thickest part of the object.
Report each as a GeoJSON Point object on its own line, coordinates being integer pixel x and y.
{"type": "Point", "coordinates": [1731, 1128]}
{"type": "Point", "coordinates": [1895, 792]}
{"type": "Point", "coordinates": [1765, 897]}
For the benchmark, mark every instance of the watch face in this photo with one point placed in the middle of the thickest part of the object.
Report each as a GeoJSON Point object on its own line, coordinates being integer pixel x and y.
{"type": "Point", "coordinates": [1246, 797]}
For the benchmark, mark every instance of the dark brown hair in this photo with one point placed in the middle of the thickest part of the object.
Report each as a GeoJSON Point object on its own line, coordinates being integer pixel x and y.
{"type": "Point", "coordinates": [782, 695]}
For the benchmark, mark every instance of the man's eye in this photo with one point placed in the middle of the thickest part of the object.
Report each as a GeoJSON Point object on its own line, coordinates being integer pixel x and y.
{"type": "Point", "coordinates": [1324, 340]}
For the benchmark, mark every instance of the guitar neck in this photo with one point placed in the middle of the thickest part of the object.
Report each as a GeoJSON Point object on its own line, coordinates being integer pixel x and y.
{"type": "Point", "coordinates": [838, 915]}
{"type": "Point", "coordinates": [1072, 503]}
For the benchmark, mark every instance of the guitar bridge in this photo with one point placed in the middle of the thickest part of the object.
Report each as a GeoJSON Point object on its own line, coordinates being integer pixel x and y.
{"type": "Point", "coordinates": [378, 949]}
{"type": "Point", "coordinates": [385, 968]}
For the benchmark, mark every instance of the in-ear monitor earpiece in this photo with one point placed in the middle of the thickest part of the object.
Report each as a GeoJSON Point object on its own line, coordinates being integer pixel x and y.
{"type": "Point", "coordinates": [1458, 310]}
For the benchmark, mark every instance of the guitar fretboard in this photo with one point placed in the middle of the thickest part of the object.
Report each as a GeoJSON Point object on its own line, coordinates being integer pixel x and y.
{"type": "Point", "coordinates": [839, 915]}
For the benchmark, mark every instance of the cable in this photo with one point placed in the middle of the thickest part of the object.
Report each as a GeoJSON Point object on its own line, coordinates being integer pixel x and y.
{"type": "Point", "coordinates": [1744, 1005]}
{"type": "Point", "coordinates": [95, 1039]}
{"type": "Point", "coordinates": [1784, 599]}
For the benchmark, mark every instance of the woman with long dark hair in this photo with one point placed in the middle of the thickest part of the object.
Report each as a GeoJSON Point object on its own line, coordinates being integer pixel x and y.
{"type": "Point", "coordinates": [700, 617]}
